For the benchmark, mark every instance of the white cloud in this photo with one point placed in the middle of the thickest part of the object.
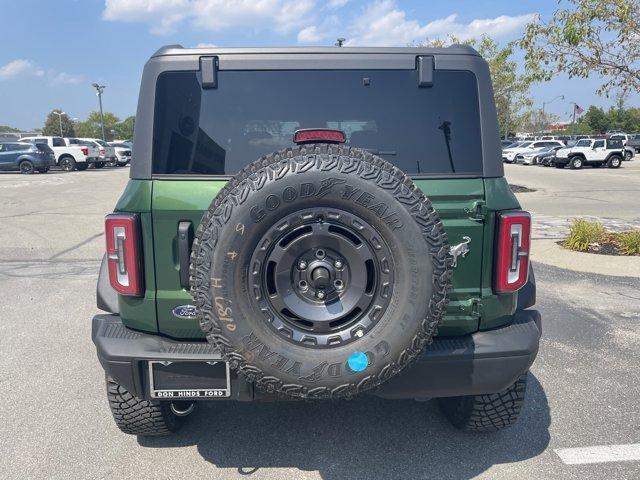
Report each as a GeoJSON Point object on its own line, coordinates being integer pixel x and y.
{"type": "Point", "coordinates": [64, 78]}
{"type": "Point", "coordinates": [382, 23]}
{"type": "Point", "coordinates": [164, 16]}
{"type": "Point", "coordinates": [337, 3]}
{"type": "Point", "coordinates": [309, 35]}
{"type": "Point", "coordinates": [20, 68]}
{"type": "Point", "coordinates": [28, 68]}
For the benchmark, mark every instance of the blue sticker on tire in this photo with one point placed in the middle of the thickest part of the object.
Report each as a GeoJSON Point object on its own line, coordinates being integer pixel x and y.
{"type": "Point", "coordinates": [358, 361]}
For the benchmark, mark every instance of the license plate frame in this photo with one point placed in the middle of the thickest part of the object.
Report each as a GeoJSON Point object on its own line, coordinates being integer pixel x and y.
{"type": "Point", "coordinates": [196, 393]}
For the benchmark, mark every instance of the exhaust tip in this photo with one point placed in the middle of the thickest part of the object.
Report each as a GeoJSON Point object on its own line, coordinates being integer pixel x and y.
{"type": "Point", "coordinates": [182, 409]}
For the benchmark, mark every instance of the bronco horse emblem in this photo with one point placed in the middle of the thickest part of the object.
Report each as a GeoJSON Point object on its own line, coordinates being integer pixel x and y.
{"type": "Point", "coordinates": [459, 250]}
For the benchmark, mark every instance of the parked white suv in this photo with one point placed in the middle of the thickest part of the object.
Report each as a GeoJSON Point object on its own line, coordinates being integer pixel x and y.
{"type": "Point", "coordinates": [106, 152]}
{"type": "Point", "coordinates": [509, 154]}
{"type": "Point", "coordinates": [69, 157]}
{"type": "Point", "coordinates": [590, 151]}
{"type": "Point", "coordinates": [123, 153]}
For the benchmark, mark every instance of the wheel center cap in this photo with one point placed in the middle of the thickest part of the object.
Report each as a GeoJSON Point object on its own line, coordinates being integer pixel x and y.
{"type": "Point", "coordinates": [321, 277]}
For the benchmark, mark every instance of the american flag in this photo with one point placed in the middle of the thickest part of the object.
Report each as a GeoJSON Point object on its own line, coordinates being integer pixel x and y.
{"type": "Point", "coordinates": [578, 108]}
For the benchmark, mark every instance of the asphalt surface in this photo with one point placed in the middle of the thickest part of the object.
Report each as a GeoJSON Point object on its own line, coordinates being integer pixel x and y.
{"type": "Point", "coordinates": [583, 390]}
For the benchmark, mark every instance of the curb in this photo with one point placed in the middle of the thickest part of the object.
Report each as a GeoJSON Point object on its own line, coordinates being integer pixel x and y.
{"type": "Point", "coordinates": [550, 253]}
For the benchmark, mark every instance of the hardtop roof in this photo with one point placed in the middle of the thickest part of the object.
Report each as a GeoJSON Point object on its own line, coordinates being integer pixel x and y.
{"type": "Point", "coordinates": [169, 50]}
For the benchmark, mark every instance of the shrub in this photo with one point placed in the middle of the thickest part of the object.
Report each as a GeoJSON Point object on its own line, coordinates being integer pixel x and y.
{"type": "Point", "coordinates": [630, 242]}
{"type": "Point", "coordinates": [582, 233]}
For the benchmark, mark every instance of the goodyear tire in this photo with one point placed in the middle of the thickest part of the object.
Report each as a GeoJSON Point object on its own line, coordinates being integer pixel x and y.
{"type": "Point", "coordinates": [320, 271]}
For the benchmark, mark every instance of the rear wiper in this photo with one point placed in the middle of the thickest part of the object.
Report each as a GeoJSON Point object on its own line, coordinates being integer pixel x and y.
{"type": "Point", "coordinates": [446, 129]}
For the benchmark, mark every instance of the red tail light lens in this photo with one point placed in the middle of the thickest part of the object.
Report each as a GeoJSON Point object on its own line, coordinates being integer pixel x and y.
{"type": "Point", "coordinates": [124, 253]}
{"type": "Point", "coordinates": [85, 151]}
{"type": "Point", "coordinates": [315, 135]}
{"type": "Point", "coordinates": [512, 254]}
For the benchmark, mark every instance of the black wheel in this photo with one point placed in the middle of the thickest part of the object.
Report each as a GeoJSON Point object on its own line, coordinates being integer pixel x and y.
{"type": "Point", "coordinates": [320, 271]}
{"type": "Point", "coordinates": [26, 167]}
{"type": "Point", "coordinates": [67, 164]}
{"type": "Point", "coordinates": [43, 170]}
{"type": "Point", "coordinates": [140, 417]}
{"type": "Point", "coordinates": [99, 165]}
{"type": "Point", "coordinates": [575, 163]}
{"type": "Point", "coordinates": [486, 413]}
{"type": "Point", "coordinates": [82, 166]}
{"type": "Point", "coordinates": [628, 155]}
{"type": "Point", "coordinates": [614, 161]}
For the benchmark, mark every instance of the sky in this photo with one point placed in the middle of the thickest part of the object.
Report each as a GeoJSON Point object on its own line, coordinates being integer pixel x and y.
{"type": "Point", "coordinates": [52, 51]}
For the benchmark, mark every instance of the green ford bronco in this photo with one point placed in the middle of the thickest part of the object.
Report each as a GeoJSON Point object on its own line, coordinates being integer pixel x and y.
{"type": "Point", "coordinates": [316, 223]}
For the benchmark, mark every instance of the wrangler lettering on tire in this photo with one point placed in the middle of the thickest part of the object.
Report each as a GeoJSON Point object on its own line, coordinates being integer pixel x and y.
{"type": "Point", "coordinates": [335, 281]}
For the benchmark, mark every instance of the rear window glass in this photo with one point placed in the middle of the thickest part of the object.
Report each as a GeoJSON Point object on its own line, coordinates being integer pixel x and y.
{"type": "Point", "coordinates": [253, 113]}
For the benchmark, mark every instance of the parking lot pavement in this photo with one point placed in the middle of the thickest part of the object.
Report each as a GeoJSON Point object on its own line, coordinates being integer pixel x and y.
{"type": "Point", "coordinates": [583, 391]}
{"type": "Point", "coordinates": [560, 195]}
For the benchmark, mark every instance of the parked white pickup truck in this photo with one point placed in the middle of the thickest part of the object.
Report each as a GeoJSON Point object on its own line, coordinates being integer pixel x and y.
{"type": "Point", "coordinates": [589, 151]}
{"type": "Point", "coordinates": [69, 157]}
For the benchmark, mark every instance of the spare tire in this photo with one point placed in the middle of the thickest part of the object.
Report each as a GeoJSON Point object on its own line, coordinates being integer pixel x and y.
{"type": "Point", "coordinates": [320, 271]}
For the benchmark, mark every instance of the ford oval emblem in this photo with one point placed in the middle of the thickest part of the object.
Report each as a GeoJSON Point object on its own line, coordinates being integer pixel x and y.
{"type": "Point", "coordinates": [185, 312]}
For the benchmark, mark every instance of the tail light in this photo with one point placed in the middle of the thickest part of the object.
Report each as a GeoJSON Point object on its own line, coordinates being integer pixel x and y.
{"type": "Point", "coordinates": [85, 151]}
{"type": "Point", "coordinates": [512, 254]}
{"type": "Point", "coordinates": [124, 253]}
{"type": "Point", "coordinates": [314, 135]}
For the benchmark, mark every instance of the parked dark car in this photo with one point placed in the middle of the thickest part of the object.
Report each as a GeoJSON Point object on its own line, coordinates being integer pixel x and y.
{"type": "Point", "coordinates": [26, 157]}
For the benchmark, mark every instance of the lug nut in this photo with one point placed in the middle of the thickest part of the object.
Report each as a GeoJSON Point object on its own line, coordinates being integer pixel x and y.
{"type": "Point", "coordinates": [338, 284]}
{"type": "Point", "coordinates": [337, 264]}
{"type": "Point", "coordinates": [320, 254]}
{"type": "Point", "coordinates": [303, 285]}
{"type": "Point", "coordinates": [320, 294]}
{"type": "Point", "coordinates": [302, 265]}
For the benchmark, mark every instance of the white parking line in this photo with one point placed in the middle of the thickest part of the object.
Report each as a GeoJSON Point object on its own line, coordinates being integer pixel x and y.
{"type": "Point", "coordinates": [599, 454]}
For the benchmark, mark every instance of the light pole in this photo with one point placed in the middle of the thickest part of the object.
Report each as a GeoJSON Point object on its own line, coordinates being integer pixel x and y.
{"type": "Point", "coordinates": [544, 104]}
{"type": "Point", "coordinates": [59, 119]}
{"type": "Point", "coordinates": [99, 91]}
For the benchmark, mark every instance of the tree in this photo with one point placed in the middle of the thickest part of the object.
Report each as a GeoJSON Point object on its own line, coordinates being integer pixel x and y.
{"type": "Point", "coordinates": [537, 121]}
{"type": "Point", "coordinates": [510, 87]}
{"type": "Point", "coordinates": [597, 119]}
{"type": "Point", "coordinates": [124, 129]}
{"type": "Point", "coordinates": [54, 122]}
{"type": "Point", "coordinates": [8, 129]}
{"type": "Point", "coordinates": [600, 37]}
{"type": "Point", "coordinates": [91, 127]}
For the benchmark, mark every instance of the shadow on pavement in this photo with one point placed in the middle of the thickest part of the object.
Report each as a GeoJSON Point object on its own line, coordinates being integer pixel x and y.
{"type": "Point", "coordinates": [359, 439]}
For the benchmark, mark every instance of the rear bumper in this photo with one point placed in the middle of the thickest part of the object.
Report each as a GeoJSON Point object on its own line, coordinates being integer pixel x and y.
{"type": "Point", "coordinates": [484, 362]}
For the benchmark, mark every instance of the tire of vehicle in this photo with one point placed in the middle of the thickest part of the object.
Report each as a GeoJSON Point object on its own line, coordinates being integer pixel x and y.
{"type": "Point", "coordinates": [628, 156]}
{"type": "Point", "coordinates": [67, 163]}
{"type": "Point", "coordinates": [82, 166]}
{"type": "Point", "coordinates": [43, 170]}
{"type": "Point", "coordinates": [486, 413]}
{"type": "Point", "coordinates": [575, 163]}
{"type": "Point", "coordinates": [98, 165]}
{"type": "Point", "coordinates": [614, 161]}
{"type": "Point", "coordinates": [26, 167]}
{"type": "Point", "coordinates": [140, 417]}
{"type": "Point", "coordinates": [320, 218]}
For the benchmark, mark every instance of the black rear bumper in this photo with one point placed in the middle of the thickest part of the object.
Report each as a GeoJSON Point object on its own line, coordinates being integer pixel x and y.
{"type": "Point", "coordinates": [484, 362]}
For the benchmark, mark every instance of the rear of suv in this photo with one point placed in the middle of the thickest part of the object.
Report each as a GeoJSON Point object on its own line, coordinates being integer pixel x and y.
{"type": "Point", "coordinates": [312, 224]}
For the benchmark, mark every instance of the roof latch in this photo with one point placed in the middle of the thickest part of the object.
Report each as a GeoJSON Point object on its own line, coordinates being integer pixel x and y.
{"type": "Point", "coordinates": [209, 71]}
{"type": "Point", "coordinates": [425, 71]}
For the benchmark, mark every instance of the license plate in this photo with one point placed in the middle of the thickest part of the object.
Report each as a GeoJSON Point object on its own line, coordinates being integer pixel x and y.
{"type": "Point", "coordinates": [189, 380]}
